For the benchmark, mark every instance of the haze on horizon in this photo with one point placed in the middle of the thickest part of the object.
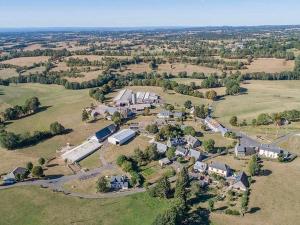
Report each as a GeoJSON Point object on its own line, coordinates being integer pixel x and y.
{"type": "Point", "coordinates": [143, 13]}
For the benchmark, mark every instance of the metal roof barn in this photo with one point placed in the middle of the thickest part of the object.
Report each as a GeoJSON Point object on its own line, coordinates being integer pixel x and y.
{"type": "Point", "coordinates": [81, 151]}
{"type": "Point", "coordinates": [121, 137]}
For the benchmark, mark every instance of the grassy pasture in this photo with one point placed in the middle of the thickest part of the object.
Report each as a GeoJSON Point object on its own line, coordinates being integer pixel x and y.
{"type": "Point", "coordinates": [30, 205]}
{"type": "Point", "coordinates": [7, 73]}
{"type": "Point", "coordinates": [64, 106]}
{"type": "Point", "coordinates": [269, 65]}
{"type": "Point", "coordinates": [26, 61]}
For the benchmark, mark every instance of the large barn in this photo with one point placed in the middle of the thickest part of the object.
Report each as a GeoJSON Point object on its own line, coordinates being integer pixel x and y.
{"type": "Point", "coordinates": [121, 137]}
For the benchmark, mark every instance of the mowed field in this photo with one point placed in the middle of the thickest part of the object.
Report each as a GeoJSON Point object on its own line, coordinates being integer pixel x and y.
{"type": "Point", "coordinates": [274, 199]}
{"type": "Point", "coordinates": [64, 106]}
{"type": "Point", "coordinates": [26, 61]}
{"type": "Point", "coordinates": [32, 205]}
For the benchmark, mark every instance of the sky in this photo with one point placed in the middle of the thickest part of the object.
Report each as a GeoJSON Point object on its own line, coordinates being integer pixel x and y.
{"type": "Point", "coordinates": [143, 13]}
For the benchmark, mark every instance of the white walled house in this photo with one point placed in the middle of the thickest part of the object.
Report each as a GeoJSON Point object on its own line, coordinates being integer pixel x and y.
{"type": "Point", "coordinates": [219, 168]}
{"type": "Point", "coordinates": [269, 151]}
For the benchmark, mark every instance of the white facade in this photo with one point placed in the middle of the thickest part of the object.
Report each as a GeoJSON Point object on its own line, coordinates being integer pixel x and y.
{"type": "Point", "coordinates": [268, 154]}
{"type": "Point", "coordinates": [121, 137]}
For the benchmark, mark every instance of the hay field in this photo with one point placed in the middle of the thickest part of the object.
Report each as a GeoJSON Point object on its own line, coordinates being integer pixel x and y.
{"type": "Point", "coordinates": [64, 106]}
{"type": "Point", "coordinates": [32, 205]}
{"type": "Point", "coordinates": [26, 61]}
{"type": "Point", "coordinates": [87, 76]}
{"type": "Point", "coordinates": [7, 73]}
{"type": "Point", "coordinates": [275, 198]}
{"type": "Point", "coordinates": [33, 47]}
{"type": "Point", "coordinates": [269, 65]}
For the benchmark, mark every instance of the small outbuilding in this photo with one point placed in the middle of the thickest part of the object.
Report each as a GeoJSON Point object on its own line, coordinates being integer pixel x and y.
{"type": "Point", "coordinates": [164, 161]}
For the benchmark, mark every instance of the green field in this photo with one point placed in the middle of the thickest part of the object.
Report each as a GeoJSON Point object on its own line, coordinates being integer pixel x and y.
{"type": "Point", "coordinates": [64, 106]}
{"type": "Point", "coordinates": [32, 206]}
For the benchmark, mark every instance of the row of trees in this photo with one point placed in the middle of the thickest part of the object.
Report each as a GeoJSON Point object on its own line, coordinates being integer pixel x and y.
{"type": "Point", "coordinates": [10, 140]}
{"type": "Point", "coordinates": [31, 106]}
{"type": "Point", "coordinates": [266, 119]}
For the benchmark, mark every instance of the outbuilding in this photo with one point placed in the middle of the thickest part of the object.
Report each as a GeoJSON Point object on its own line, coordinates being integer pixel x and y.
{"type": "Point", "coordinates": [121, 137]}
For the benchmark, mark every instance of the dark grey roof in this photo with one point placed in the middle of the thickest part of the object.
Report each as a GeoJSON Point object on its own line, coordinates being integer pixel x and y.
{"type": "Point", "coordinates": [105, 132]}
{"type": "Point", "coordinates": [181, 149]}
{"type": "Point", "coordinates": [242, 177]}
{"type": "Point", "coordinates": [19, 170]}
{"type": "Point", "coordinates": [195, 154]}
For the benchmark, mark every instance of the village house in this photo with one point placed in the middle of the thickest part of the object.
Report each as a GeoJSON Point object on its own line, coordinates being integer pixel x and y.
{"type": "Point", "coordinates": [219, 168]}
{"type": "Point", "coordinates": [119, 182]}
{"type": "Point", "coordinates": [10, 178]}
{"type": "Point", "coordinates": [174, 142]}
{"type": "Point", "coordinates": [215, 126]}
{"type": "Point", "coordinates": [178, 115]}
{"type": "Point", "coordinates": [195, 154]}
{"type": "Point", "coordinates": [241, 150]}
{"type": "Point", "coordinates": [192, 142]}
{"type": "Point", "coordinates": [164, 162]}
{"type": "Point", "coordinates": [181, 151]}
{"type": "Point", "coordinates": [200, 167]}
{"type": "Point", "coordinates": [271, 151]}
{"type": "Point", "coordinates": [241, 182]}
{"type": "Point", "coordinates": [160, 147]}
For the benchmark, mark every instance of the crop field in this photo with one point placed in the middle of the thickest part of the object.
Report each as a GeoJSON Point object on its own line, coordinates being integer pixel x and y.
{"type": "Point", "coordinates": [26, 61]}
{"type": "Point", "coordinates": [32, 205]}
{"type": "Point", "coordinates": [273, 198]}
{"type": "Point", "coordinates": [61, 105]}
{"type": "Point", "coordinates": [7, 73]}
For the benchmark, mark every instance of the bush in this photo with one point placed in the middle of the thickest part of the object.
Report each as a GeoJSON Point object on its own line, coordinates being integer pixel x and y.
{"type": "Point", "coordinates": [232, 212]}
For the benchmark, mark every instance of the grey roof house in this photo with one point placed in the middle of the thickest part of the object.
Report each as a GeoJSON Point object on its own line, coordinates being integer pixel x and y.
{"type": "Point", "coordinates": [119, 182]}
{"type": "Point", "coordinates": [192, 142]}
{"type": "Point", "coordinates": [219, 168]}
{"type": "Point", "coordinates": [196, 154]}
{"type": "Point", "coordinates": [181, 151]}
{"type": "Point", "coordinates": [200, 166]}
{"type": "Point", "coordinates": [10, 178]}
{"type": "Point", "coordinates": [241, 182]}
{"type": "Point", "coordinates": [160, 147]}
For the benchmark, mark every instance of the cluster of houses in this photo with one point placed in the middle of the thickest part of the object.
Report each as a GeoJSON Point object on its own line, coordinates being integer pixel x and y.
{"type": "Point", "coordinates": [237, 182]}
{"type": "Point", "coordinates": [246, 147]}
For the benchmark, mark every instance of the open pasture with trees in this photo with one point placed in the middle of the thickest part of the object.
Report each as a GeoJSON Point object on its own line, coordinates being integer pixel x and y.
{"type": "Point", "coordinates": [26, 61]}
{"type": "Point", "coordinates": [58, 104]}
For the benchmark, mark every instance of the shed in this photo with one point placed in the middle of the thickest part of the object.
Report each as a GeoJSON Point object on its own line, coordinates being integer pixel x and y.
{"type": "Point", "coordinates": [164, 161]}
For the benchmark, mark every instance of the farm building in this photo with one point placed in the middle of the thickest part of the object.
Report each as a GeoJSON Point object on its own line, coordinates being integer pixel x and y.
{"type": "Point", "coordinates": [10, 178]}
{"type": "Point", "coordinates": [121, 137]}
{"type": "Point", "coordinates": [82, 151]}
{"type": "Point", "coordinates": [127, 97]}
{"type": "Point", "coordinates": [104, 133]}
{"type": "Point", "coordinates": [219, 168]}
{"type": "Point", "coordinates": [164, 114]}
{"type": "Point", "coordinates": [215, 126]}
